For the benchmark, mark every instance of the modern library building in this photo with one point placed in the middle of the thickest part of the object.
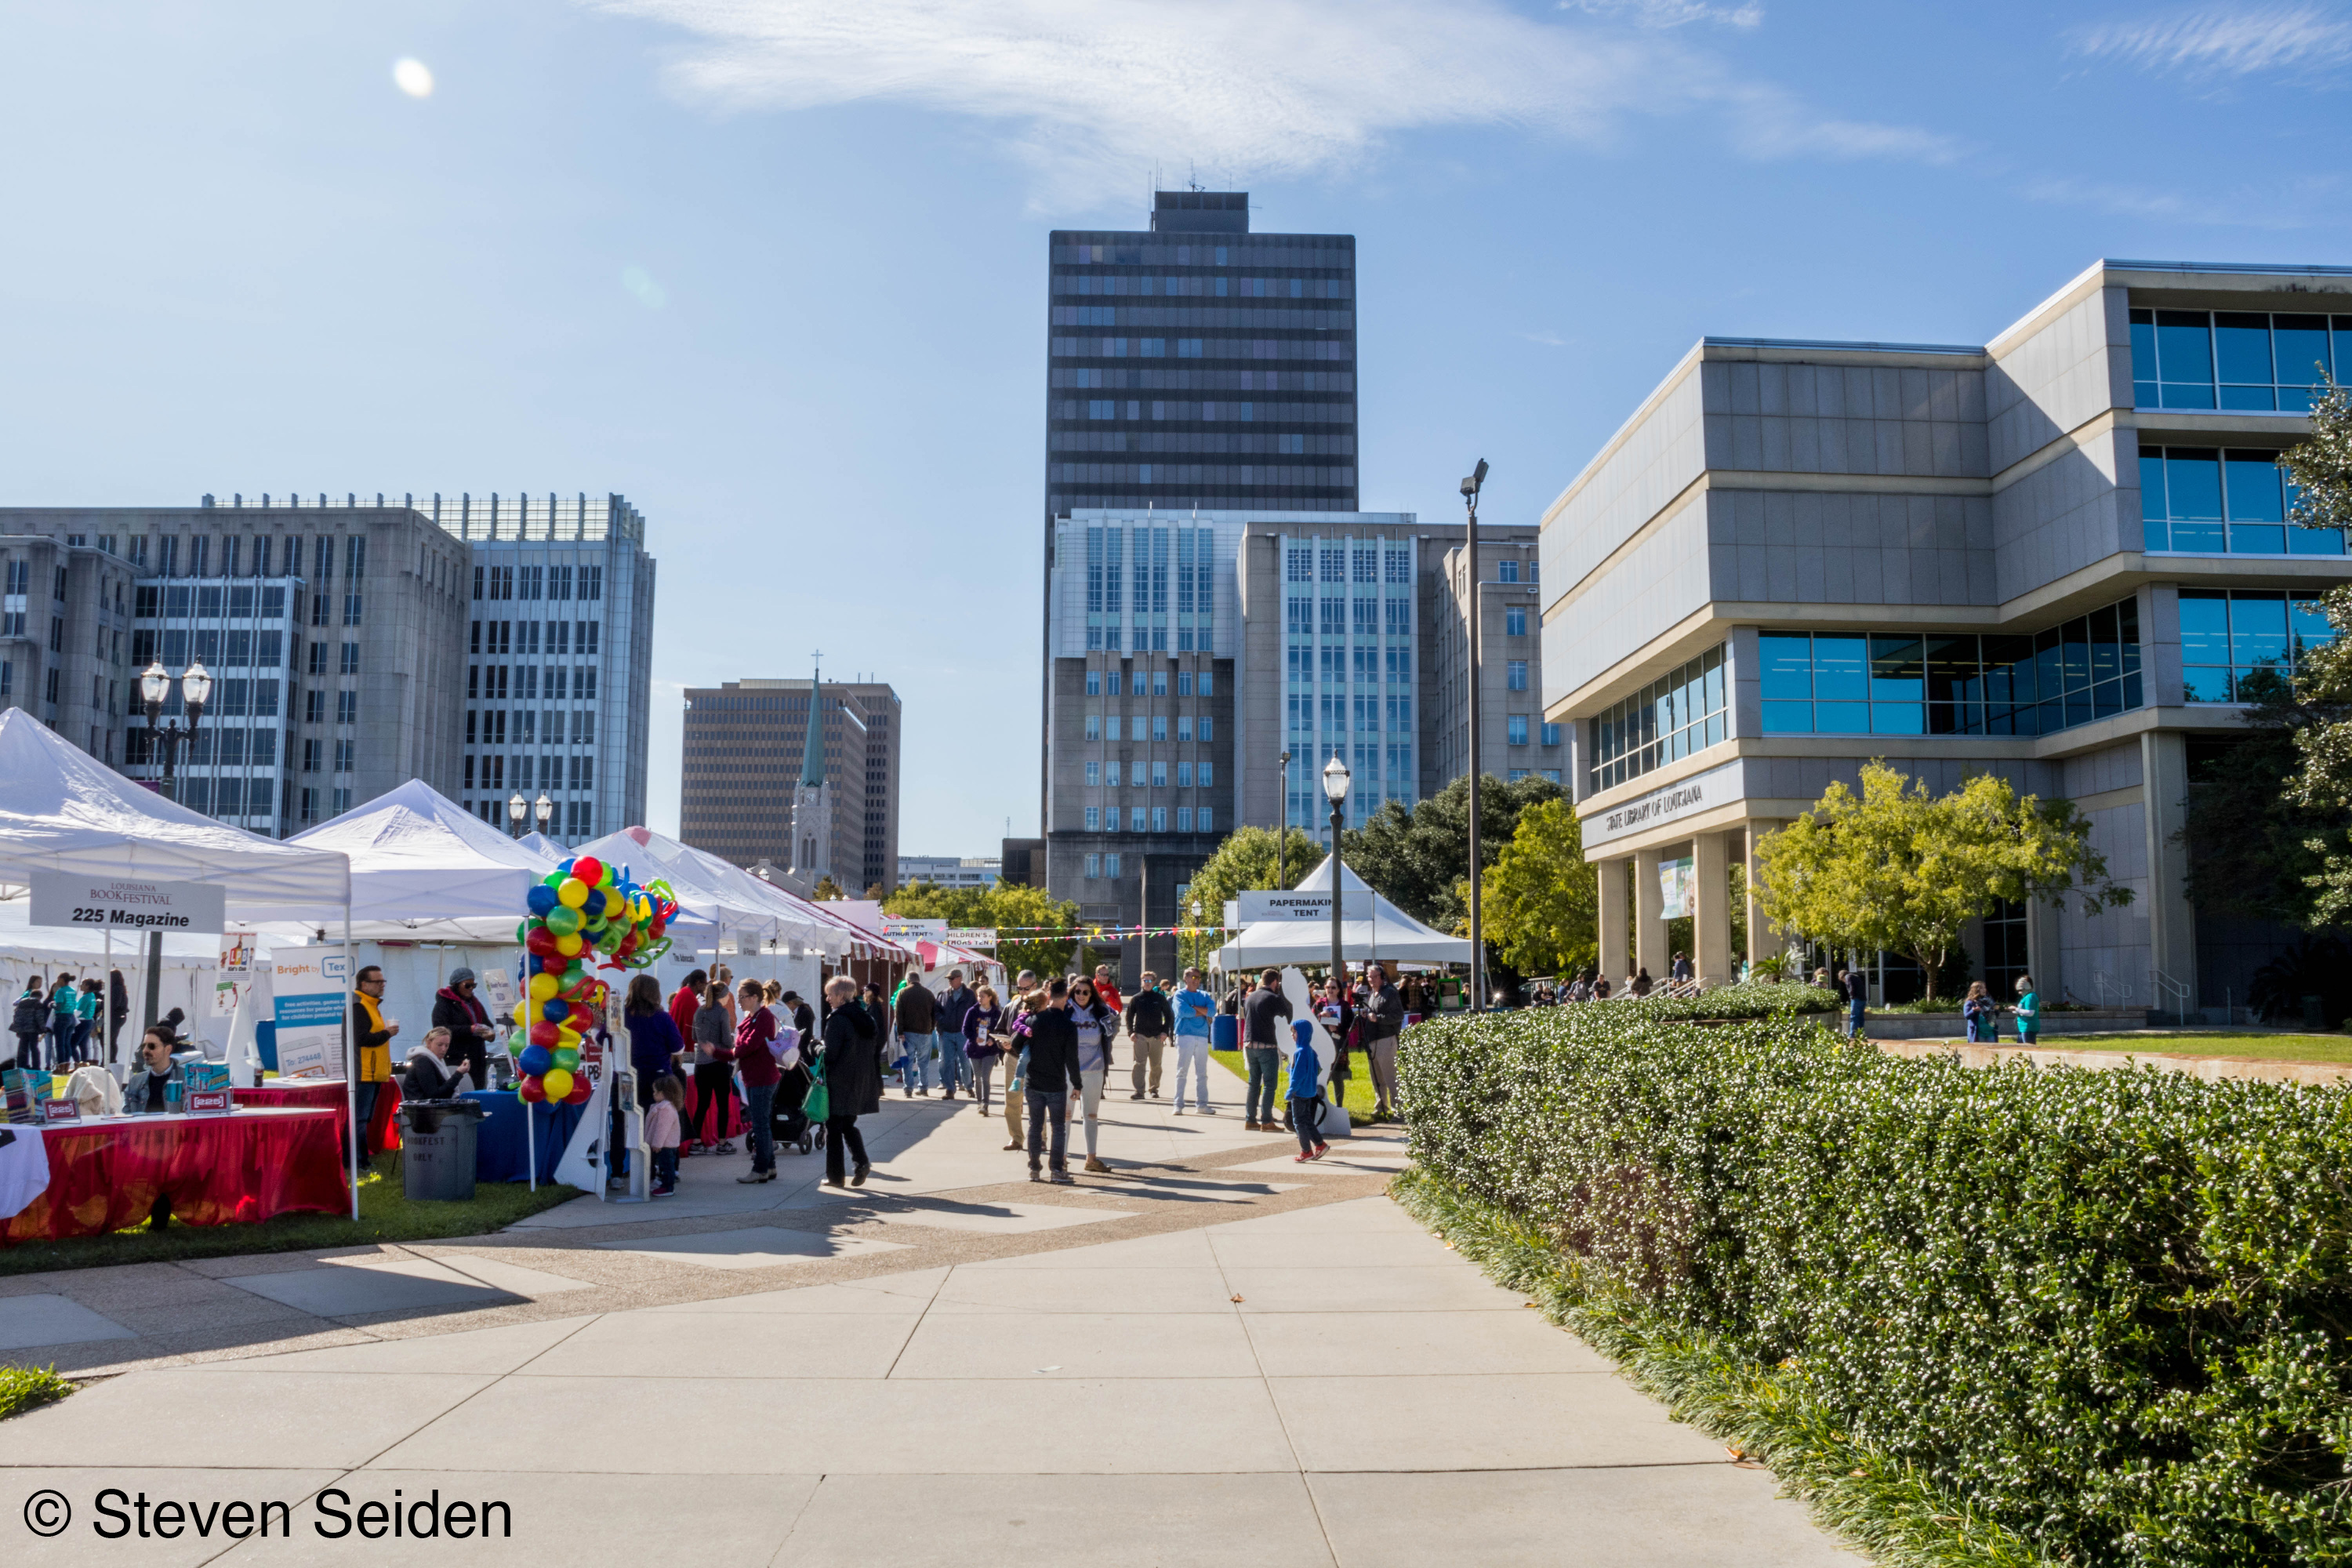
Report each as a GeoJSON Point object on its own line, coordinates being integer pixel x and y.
{"type": "Point", "coordinates": [2057, 557]}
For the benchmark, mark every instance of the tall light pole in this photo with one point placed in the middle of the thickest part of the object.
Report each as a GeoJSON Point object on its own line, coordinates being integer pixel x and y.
{"type": "Point", "coordinates": [1470, 489]}
{"type": "Point", "coordinates": [1335, 789]}
{"type": "Point", "coordinates": [516, 809]}
{"type": "Point", "coordinates": [543, 809]}
{"type": "Point", "coordinates": [1282, 829]}
{"type": "Point", "coordinates": [154, 687]}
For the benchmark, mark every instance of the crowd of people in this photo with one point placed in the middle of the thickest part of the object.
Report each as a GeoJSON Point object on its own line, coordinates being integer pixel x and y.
{"type": "Point", "coordinates": [76, 1016]}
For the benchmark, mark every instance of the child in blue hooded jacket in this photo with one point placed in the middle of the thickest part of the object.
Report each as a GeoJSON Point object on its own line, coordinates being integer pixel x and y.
{"type": "Point", "coordinates": [1306, 1074]}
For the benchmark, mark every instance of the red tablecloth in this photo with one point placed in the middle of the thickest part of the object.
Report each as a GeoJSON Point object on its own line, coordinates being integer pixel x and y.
{"type": "Point", "coordinates": [250, 1165]}
{"type": "Point", "coordinates": [327, 1094]}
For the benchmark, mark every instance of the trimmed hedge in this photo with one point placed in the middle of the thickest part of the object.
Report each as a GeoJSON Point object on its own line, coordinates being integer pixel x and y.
{"type": "Point", "coordinates": [2106, 1310]}
{"type": "Point", "coordinates": [1755, 999]}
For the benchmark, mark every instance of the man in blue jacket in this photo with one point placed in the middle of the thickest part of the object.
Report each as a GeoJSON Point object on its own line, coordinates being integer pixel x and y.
{"type": "Point", "coordinates": [1194, 1007]}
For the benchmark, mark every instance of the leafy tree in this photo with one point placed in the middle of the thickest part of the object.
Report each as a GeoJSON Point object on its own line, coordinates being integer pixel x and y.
{"type": "Point", "coordinates": [1420, 859]}
{"type": "Point", "coordinates": [1052, 922]}
{"type": "Point", "coordinates": [2321, 467]}
{"type": "Point", "coordinates": [1248, 859]}
{"type": "Point", "coordinates": [1541, 900]}
{"type": "Point", "coordinates": [1901, 871]}
{"type": "Point", "coordinates": [826, 888]}
{"type": "Point", "coordinates": [2255, 848]}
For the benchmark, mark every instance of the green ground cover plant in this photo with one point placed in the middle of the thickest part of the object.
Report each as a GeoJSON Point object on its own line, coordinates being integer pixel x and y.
{"type": "Point", "coordinates": [2099, 1316]}
{"type": "Point", "coordinates": [22, 1388]}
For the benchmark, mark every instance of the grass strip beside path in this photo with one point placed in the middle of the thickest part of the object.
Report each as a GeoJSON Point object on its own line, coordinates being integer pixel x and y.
{"type": "Point", "coordinates": [1360, 1097]}
{"type": "Point", "coordinates": [24, 1387]}
{"type": "Point", "coordinates": [2269, 1046]}
{"type": "Point", "coordinates": [1767, 1415]}
{"type": "Point", "coordinates": [386, 1216]}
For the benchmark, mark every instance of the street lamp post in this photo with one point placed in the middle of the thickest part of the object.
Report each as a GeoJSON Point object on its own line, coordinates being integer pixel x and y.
{"type": "Point", "coordinates": [543, 809]}
{"type": "Point", "coordinates": [154, 687]}
{"type": "Point", "coordinates": [1282, 828]}
{"type": "Point", "coordinates": [1470, 489]}
{"type": "Point", "coordinates": [516, 809]}
{"type": "Point", "coordinates": [1335, 788]}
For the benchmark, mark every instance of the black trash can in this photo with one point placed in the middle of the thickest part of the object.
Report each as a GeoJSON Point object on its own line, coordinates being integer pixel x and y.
{"type": "Point", "coordinates": [436, 1145]}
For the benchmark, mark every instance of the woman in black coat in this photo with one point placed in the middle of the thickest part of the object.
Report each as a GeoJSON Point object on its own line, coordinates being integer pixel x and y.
{"type": "Point", "coordinates": [852, 1079]}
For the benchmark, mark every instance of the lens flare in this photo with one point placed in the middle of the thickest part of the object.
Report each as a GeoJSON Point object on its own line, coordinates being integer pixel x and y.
{"type": "Point", "coordinates": [411, 77]}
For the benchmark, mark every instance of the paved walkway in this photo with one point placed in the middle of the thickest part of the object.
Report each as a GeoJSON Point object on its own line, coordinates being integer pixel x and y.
{"type": "Point", "coordinates": [1212, 1356]}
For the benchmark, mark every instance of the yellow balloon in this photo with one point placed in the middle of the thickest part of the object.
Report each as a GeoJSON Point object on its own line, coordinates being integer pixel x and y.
{"type": "Point", "coordinates": [565, 1035]}
{"type": "Point", "coordinates": [524, 1015]}
{"type": "Point", "coordinates": [569, 946]}
{"type": "Point", "coordinates": [574, 892]}
{"type": "Point", "coordinates": [543, 986]}
{"type": "Point", "coordinates": [556, 1082]}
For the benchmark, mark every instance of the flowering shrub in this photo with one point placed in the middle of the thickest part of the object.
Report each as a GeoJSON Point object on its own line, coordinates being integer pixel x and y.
{"type": "Point", "coordinates": [2106, 1310]}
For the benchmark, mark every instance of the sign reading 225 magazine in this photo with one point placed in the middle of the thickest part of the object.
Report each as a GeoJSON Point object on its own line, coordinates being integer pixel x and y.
{"type": "Point", "coordinates": [127, 903]}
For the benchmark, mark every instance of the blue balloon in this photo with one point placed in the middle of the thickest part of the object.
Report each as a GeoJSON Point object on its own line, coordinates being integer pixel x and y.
{"type": "Point", "coordinates": [595, 904]}
{"type": "Point", "coordinates": [535, 1060]}
{"type": "Point", "coordinates": [541, 898]}
{"type": "Point", "coordinates": [555, 1010]}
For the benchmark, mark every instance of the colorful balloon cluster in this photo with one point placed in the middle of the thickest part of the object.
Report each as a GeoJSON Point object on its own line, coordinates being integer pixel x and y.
{"type": "Point", "coordinates": [584, 916]}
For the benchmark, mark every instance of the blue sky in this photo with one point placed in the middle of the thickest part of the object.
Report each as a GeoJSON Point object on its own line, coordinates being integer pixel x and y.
{"type": "Point", "coordinates": [776, 269]}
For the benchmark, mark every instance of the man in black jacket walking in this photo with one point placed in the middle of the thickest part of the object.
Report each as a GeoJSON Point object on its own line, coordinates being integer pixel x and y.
{"type": "Point", "coordinates": [1053, 1075]}
{"type": "Point", "coordinates": [1148, 1021]}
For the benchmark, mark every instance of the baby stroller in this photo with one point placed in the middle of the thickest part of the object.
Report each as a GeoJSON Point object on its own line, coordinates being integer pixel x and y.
{"type": "Point", "coordinates": [791, 1123]}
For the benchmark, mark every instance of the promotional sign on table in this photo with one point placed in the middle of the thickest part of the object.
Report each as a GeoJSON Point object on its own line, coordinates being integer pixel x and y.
{"type": "Point", "coordinates": [127, 903]}
{"type": "Point", "coordinates": [584, 916]}
{"type": "Point", "coordinates": [60, 1110]}
{"type": "Point", "coordinates": [311, 990]}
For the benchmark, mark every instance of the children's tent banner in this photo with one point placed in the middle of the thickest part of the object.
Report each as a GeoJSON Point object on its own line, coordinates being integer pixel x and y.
{"type": "Point", "coordinates": [969, 936]}
{"type": "Point", "coordinates": [311, 988]}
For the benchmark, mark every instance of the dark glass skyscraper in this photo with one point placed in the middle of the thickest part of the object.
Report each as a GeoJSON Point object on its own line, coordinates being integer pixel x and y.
{"type": "Point", "coordinates": [1200, 365]}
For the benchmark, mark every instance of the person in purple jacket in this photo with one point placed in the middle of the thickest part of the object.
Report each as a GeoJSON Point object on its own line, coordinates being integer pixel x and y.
{"type": "Point", "coordinates": [653, 1042]}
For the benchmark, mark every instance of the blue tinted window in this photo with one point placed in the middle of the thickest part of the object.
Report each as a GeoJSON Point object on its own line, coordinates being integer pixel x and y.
{"type": "Point", "coordinates": [2254, 487]}
{"type": "Point", "coordinates": [2192, 483]}
{"type": "Point", "coordinates": [2242, 344]}
{"type": "Point", "coordinates": [2143, 352]}
{"type": "Point", "coordinates": [1788, 718]}
{"type": "Point", "coordinates": [2152, 508]}
{"type": "Point", "coordinates": [2257, 630]}
{"type": "Point", "coordinates": [1897, 671]}
{"type": "Point", "coordinates": [1841, 718]}
{"type": "Point", "coordinates": [2309, 624]}
{"type": "Point", "coordinates": [1841, 668]}
{"type": "Point", "coordinates": [1788, 661]}
{"type": "Point", "coordinates": [2204, 628]}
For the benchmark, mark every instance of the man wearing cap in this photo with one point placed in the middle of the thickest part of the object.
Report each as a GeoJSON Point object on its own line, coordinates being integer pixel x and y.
{"type": "Point", "coordinates": [456, 1009]}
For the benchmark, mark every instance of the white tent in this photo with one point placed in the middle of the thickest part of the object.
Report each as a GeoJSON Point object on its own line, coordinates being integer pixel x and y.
{"type": "Point", "coordinates": [63, 810]}
{"type": "Point", "coordinates": [1390, 934]}
{"type": "Point", "coordinates": [544, 844]}
{"type": "Point", "coordinates": [418, 860]}
{"type": "Point", "coordinates": [711, 904]}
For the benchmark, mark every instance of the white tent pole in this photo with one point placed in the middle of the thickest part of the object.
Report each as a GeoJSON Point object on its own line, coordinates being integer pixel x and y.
{"type": "Point", "coordinates": [350, 1062]}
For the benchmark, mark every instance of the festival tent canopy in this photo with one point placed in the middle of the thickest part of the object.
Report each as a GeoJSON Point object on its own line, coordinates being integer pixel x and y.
{"type": "Point", "coordinates": [1390, 934]}
{"type": "Point", "coordinates": [542, 844]}
{"type": "Point", "coordinates": [425, 868]}
{"type": "Point", "coordinates": [710, 904]}
{"type": "Point", "coordinates": [804, 923]}
{"type": "Point", "coordinates": [63, 810]}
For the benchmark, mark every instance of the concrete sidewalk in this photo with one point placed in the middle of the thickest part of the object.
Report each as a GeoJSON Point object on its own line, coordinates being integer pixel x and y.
{"type": "Point", "coordinates": [1330, 1385]}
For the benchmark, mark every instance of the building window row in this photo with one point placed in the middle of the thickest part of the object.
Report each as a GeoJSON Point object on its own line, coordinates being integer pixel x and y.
{"type": "Point", "coordinates": [1179, 317]}
{"type": "Point", "coordinates": [1210, 444]}
{"type": "Point", "coordinates": [2010, 683]}
{"type": "Point", "coordinates": [528, 683]}
{"type": "Point", "coordinates": [1194, 474]}
{"type": "Point", "coordinates": [2248, 360]}
{"type": "Point", "coordinates": [1147, 819]}
{"type": "Point", "coordinates": [1323, 350]}
{"type": "Point", "coordinates": [2230, 637]}
{"type": "Point", "coordinates": [1668, 719]}
{"type": "Point", "coordinates": [1198, 285]}
{"type": "Point", "coordinates": [1186, 682]}
{"type": "Point", "coordinates": [528, 637]}
{"type": "Point", "coordinates": [1101, 774]}
{"type": "Point", "coordinates": [2224, 500]}
{"type": "Point", "coordinates": [1367, 662]}
{"type": "Point", "coordinates": [523, 726]}
{"type": "Point", "coordinates": [502, 583]}
{"type": "Point", "coordinates": [1126, 251]}
{"type": "Point", "coordinates": [1334, 712]}
{"type": "Point", "coordinates": [1106, 727]}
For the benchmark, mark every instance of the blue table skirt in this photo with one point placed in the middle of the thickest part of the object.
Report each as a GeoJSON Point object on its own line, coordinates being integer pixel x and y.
{"type": "Point", "coordinates": [502, 1152]}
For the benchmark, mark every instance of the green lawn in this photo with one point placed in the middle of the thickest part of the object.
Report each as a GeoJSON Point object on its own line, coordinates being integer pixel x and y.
{"type": "Point", "coordinates": [2331, 1049]}
{"type": "Point", "coordinates": [23, 1387]}
{"type": "Point", "coordinates": [1359, 1100]}
{"type": "Point", "coordinates": [386, 1216]}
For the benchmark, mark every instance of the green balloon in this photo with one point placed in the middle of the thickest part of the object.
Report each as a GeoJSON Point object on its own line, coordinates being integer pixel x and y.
{"type": "Point", "coordinates": [564, 921]}
{"type": "Point", "coordinates": [567, 1058]}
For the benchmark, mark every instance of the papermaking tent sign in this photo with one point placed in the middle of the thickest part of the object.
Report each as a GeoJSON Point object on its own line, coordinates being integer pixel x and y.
{"type": "Point", "coordinates": [127, 903]}
{"type": "Point", "coordinates": [311, 990]}
{"type": "Point", "coordinates": [1356, 905]}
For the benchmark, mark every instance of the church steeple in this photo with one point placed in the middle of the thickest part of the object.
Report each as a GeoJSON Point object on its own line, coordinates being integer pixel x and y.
{"type": "Point", "coordinates": [812, 748]}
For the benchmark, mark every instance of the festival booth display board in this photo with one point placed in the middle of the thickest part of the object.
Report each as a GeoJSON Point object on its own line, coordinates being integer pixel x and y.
{"type": "Point", "coordinates": [136, 862]}
{"type": "Point", "coordinates": [1383, 933]}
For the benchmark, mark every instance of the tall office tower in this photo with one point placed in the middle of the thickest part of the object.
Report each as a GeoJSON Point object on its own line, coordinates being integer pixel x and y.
{"type": "Point", "coordinates": [750, 779]}
{"type": "Point", "coordinates": [1514, 738]}
{"type": "Point", "coordinates": [555, 661]}
{"type": "Point", "coordinates": [330, 633]}
{"type": "Point", "coordinates": [1191, 367]}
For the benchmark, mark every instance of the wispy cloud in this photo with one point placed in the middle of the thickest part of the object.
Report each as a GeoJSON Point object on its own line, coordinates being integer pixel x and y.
{"type": "Point", "coordinates": [2278, 206]}
{"type": "Point", "coordinates": [1091, 92]}
{"type": "Point", "coordinates": [1668, 13]}
{"type": "Point", "coordinates": [2226, 41]}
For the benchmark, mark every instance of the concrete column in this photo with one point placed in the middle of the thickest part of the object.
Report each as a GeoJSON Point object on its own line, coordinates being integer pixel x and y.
{"type": "Point", "coordinates": [2171, 922]}
{"type": "Point", "coordinates": [1615, 921]}
{"type": "Point", "coordinates": [1711, 910]}
{"type": "Point", "coordinates": [1764, 939]}
{"type": "Point", "coordinates": [1649, 915]}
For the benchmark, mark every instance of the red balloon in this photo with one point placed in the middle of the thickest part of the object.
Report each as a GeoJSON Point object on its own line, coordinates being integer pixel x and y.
{"type": "Point", "coordinates": [541, 941]}
{"type": "Point", "coordinates": [583, 1017]}
{"type": "Point", "coordinates": [554, 963]}
{"type": "Point", "coordinates": [544, 1032]}
{"type": "Point", "coordinates": [581, 1089]}
{"type": "Point", "coordinates": [589, 869]}
{"type": "Point", "coordinates": [530, 1090]}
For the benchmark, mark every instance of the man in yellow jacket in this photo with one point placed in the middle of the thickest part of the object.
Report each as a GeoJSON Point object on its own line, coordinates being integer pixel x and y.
{"type": "Point", "coordinates": [371, 1035]}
